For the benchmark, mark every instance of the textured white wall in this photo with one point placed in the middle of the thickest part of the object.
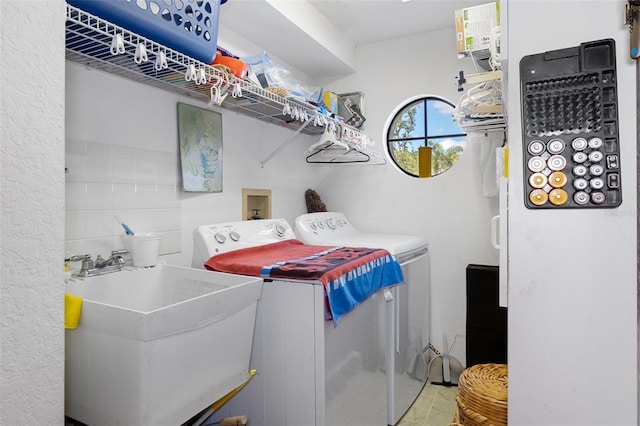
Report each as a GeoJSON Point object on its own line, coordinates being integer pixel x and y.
{"type": "Point", "coordinates": [572, 284]}
{"type": "Point", "coordinates": [32, 212]}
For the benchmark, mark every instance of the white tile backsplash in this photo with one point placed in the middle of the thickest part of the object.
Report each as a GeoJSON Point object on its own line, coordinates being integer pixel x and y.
{"type": "Point", "coordinates": [168, 196]}
{"type": "Point", "coordinates": [99, 223]}
{"type": "Point", "coordinates": [138, 186]}
{"type": "Point", "coordinates": [145, 171]}
{"type": "Point", "coordinates": [124, 170]}
{"type": "Point", "coordinates": [124, 196]}
{"type": "Point", "coordinates": [75, 225]}
{"type": "Point", "coordinates": [168, 173]}
{"type": "Point", "coordinates": [99, 149]}
{"type": "Point", "coordinates": [98, 168]}
{"type": "Point", "coordinates": [75, 196]}
{"type": "Point", "coordinates": [76, 166]}
{"type": "Point", "coordinates": [166, 157]}
{"type": "Point", "coordinates": [145, 196]}
{"type": "Point", "coordinates": [99, 195]}
{"type": "Point", "coordinates": [171, 242]}
{"type": "Point", "coordinates": [75, 146]}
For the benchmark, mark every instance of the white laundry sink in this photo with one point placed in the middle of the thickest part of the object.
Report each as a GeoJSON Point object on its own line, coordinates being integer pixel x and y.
{"type": "Point", "coordinates": [155, 346]}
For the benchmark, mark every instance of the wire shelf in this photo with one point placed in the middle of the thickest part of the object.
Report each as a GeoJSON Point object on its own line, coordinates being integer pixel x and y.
{"type": "Point", "coordinates": [99, 44]}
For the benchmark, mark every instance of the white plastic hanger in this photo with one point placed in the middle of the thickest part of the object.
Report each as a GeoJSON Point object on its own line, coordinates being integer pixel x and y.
{"type": "Point", "coordinates": [328, 139]}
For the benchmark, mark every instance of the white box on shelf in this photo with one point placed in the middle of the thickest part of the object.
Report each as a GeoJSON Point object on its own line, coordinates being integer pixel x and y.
{"type": "Point", "coordinates": [474, 25]}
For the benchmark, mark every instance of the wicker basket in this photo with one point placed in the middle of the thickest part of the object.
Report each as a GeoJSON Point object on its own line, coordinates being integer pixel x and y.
{"type": "Point", "coordinates": [482, 396]}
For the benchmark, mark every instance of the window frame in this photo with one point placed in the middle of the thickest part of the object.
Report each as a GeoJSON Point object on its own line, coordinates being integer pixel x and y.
{"type": "Point", "coordinates": [424, 98]}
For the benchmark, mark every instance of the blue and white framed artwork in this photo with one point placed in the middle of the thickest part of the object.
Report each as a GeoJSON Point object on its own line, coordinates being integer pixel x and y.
{"type": "Point", "coordinates": [200, 136]}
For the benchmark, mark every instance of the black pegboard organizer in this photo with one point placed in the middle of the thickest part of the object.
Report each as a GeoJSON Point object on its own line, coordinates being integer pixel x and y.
{"type": "Point", "coordinates": [571, 147]}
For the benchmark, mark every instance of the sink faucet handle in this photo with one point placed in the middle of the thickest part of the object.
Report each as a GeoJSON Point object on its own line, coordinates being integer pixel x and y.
{"type": "Point", "coordinates": [117, 256]}
{"type": "Point", "coordinates": [87, 262]}
{"type": "Point", "coordinates": [79, 257]}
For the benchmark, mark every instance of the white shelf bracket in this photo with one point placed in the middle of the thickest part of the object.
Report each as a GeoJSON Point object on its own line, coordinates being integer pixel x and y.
{"type": "Point", "coordinates": [289, 141]}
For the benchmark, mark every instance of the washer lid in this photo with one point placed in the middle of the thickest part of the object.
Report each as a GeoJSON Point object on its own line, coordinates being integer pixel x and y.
{"type": "Point", "coordinates": [394, 244]}
{"type": "Point", "coordinates": [334, 229]}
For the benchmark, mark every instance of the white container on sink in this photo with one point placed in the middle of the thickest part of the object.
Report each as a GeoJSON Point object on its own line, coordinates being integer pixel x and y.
{"type": "Point", "coordinates": [156, 346]}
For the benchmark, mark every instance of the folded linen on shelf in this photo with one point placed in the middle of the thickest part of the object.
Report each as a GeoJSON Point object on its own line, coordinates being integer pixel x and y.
{"type": "Point", "coordinates": [350, 275]}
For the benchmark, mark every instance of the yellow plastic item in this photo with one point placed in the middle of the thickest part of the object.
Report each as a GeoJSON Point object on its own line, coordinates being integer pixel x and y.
{"type": "Point", "coordinates": [505, 161]}
{"type": "Point", "coordinates": [219, 403]}
{"type": "Point", "coordinates": [72, 311]}
{"type": "Point", "coordinates": [330, 100]}
{"type": "Point", "coordinates": [424, 161]}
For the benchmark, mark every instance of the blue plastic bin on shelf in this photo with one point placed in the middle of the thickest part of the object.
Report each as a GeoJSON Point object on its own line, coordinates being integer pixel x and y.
{"type": "Point", "coordinates": [187, 26]}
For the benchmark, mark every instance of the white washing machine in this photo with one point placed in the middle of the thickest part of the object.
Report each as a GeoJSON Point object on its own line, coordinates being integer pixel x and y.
{"type": "Point", "coordinates": [310, 372]}
{"type": "Point", "coordinates": [411, 300]}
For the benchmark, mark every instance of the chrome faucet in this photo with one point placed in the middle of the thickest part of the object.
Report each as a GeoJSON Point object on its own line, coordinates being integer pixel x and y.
{"type": "Point", "coordinates": [100, 266]}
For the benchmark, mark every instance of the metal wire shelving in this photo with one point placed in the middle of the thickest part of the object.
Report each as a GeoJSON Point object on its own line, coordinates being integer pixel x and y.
{"type": "Point", "coordinates": [99, 44]}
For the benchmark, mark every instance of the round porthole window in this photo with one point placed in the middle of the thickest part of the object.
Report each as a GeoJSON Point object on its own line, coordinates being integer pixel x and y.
{"type": "Point", "coordinates": [424, 121]}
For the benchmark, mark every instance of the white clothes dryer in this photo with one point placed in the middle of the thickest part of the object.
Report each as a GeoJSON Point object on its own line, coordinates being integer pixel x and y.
{"type": "Point", "coordinates": [411, 311]}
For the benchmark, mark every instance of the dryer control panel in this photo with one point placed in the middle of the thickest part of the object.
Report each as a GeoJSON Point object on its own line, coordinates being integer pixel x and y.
{"type": "Point", "coordinates": [571, 147]}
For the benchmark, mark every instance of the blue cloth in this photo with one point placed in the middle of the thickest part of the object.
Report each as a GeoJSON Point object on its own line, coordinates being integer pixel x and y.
{"type": "Point", "coordinates": [350, 274]}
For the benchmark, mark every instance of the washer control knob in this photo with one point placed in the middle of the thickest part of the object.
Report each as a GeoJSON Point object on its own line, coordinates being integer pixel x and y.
{"type": "Point", "coordinates": [220, 237]}
{"type": "Point", "coordinates": [234, 235]}
{"type": "Point", "coordinates": [331, 223]}
{"type": "Point", "coordinates": [313, 225]}
{"type": "Point", "coordinates": [320, 224]}
{"type": "Point", "coordinates": [280, 230]}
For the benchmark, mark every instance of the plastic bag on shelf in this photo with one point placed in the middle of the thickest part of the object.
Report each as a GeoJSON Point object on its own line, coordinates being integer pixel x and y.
{"type": "Point", "coordinates": [267, 73]}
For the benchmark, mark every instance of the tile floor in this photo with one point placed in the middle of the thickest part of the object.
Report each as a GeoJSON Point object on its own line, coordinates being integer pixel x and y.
{"type": "Point", "coordinates": [435, 406]}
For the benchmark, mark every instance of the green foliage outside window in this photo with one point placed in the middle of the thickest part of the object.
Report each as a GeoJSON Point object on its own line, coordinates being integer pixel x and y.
{"type": "Point", "coordinates": [441, 160]}
{"type": "Point", "coordinates": [427, 121]}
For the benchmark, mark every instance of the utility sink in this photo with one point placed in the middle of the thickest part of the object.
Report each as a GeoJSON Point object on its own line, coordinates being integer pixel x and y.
{"type": "Point", "coordinates": [155, 346]}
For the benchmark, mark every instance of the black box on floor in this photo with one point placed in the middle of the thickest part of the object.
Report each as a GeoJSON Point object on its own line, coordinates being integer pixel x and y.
{"type": "Point", "coordinates": [486, 319]}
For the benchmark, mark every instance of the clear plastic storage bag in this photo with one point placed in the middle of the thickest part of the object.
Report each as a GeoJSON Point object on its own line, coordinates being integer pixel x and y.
{"type": "Point", "coordinates": [267, 73]}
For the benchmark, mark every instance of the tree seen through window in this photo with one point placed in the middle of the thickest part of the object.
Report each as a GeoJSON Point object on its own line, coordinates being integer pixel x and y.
{"type": "Point", "coordinates": [425, 121]}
